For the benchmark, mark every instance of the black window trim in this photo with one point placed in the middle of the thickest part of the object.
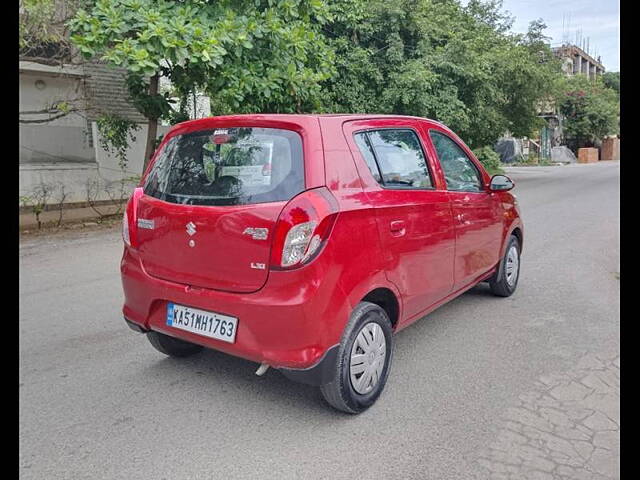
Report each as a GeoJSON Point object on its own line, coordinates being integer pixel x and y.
{"type": "Point", "coordinates": [375, 157]}
{"type": "Point", "coordinates": [483, 188]}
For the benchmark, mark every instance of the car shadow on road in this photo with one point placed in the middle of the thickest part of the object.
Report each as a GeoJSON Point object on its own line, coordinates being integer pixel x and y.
{"type": "Point", "coordinates": [482, 290]}
{"type": "Point", "coordinates": [212, 376]}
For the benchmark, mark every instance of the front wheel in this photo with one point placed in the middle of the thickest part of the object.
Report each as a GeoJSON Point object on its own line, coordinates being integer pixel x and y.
{"type": "Point", "coordinates": [363, 362]}
{"type": "Point", "coordinates": [505, 281]}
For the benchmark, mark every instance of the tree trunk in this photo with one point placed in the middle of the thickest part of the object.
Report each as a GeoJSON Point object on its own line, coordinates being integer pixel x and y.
{"type": "Point", "coordinates": [153, 126]}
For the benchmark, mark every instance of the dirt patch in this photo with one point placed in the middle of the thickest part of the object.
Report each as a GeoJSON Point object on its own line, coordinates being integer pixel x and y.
{"type": "Point", "coordinates": [108, 223]}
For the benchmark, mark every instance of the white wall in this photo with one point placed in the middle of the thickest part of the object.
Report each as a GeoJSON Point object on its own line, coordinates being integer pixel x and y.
{"type": "Point", "coordinates": [39, 90]}
{"type": "Point", "coordinates": [103, 169]}
{"type": "Point", "coordinates": [108, 164]}
{"type": "Point", "coordinates": [55, 143]}
{"type": "Point", "coordinates": [72, 175]}
{"type": "Point", "coordinates": [66, 151]}
{"type": "Point", "coordinates": [63, 139]}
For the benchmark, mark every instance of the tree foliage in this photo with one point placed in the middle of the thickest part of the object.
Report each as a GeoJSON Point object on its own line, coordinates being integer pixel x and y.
{"type": "Point", "coordinates": [42, 32]}
{"type": "Point", "coordinates": [34, 23]}
{"type": "Point", "coordinates": [591, 111]}
{"type": "Point", "coordinates": [246, 55]}
{"type": "Point", "coordinates": [438, 59]}
{"type": "Point", "coordinates": [459, 64]}
{"type": "Point", "coordinates": [612, 80]}
{"type": "Point", "coordinates": [258, 55]}
{"type": "Point", "coordinates": [489, 159]}
{"type": "Point", "coordinates": [115, 134]}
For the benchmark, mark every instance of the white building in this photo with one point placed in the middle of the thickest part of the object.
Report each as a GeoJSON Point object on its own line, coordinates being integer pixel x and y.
{"type": "Point", "coordinates": [64, 149]}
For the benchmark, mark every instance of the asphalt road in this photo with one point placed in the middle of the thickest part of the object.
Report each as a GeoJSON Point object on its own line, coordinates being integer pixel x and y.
{"type": "Point", "coordinates": [484, 387]}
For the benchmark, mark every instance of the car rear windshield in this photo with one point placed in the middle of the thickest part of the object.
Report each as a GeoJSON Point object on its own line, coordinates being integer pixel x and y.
{"type": "Point", "coordinates": [228, 166]}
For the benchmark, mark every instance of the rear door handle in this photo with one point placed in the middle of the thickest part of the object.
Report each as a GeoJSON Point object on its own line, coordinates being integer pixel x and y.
{"type": "Point", "coordinates": [398, 228]}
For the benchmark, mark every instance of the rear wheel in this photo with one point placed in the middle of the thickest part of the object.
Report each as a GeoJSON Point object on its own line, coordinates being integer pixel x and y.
{"type": "Point", "coordinates": [173, 347]}
{"type": "Point", "coordinates": [505, 281]}
{"type": "Point", "coordinates": [363, 362]}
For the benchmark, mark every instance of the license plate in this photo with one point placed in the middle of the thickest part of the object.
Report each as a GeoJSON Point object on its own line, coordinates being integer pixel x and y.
{"type": "Point", "coordinates": [208, 324]}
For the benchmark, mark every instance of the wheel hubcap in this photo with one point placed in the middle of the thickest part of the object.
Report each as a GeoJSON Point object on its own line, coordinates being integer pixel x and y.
{"type": "Point", "coordinates": [367, 358]}
{"type": "Point", "coordinates": [511, 267]}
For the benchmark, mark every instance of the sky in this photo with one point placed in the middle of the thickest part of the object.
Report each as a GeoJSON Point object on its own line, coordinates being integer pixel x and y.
{"type": "Point", "coordinates": [598, 19]}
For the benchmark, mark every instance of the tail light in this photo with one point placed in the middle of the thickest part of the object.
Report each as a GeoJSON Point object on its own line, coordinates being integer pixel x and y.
{"type": "Point", "coordinates": [302, 229]}
{"type": "Point", "coordinates": [125, 228]}
{"type": "Point", "coordinates": [129, 219]}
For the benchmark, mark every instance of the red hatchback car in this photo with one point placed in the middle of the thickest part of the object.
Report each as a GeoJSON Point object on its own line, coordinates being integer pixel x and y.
{"type": "Point", "coordinates": [304, 242]}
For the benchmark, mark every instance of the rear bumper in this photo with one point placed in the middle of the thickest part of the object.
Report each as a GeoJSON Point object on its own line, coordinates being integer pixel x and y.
{"type": "Point", "coordinates": [320, 373]}
{"type": "Point", "coordinates": [135, 327]}
{"type": "Point", "coordinates": [291, 324]}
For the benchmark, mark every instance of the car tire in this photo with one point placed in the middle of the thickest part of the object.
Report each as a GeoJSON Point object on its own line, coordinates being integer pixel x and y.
{"type": "Point", "coordinates": [172, 347]}
{"type": "Point", "coordinates": [505, 281]}
{"type": "Point", "coordinates": [370, 320]}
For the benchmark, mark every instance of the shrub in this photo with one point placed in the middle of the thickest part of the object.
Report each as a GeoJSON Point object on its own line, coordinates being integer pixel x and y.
{"type": "Point", "coordinates": [532, 159]}
{"type": "Point", "coordinates": [489, 159]}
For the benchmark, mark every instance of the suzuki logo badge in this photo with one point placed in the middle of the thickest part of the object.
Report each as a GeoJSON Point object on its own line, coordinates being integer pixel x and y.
{"type": "Point", "coordinates": [191, 228]}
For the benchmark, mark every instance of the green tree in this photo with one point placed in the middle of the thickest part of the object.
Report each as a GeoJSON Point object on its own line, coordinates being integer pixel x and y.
{"type": "Point", "coordinates": [247, 55]}
{"type": "Point", "coordinates": [590, 110]}
{"type": "Point", "coordinates": [42, 33]}
{"type": "Point", "coordinates": [612, 80]}
{"type": "Point", "coordinates": [44, 38]}
{"type": "Point", "coordinates": [438, 59]}
{"type": "Point", "coordinates": [489, 159]}
{"type": "Point", "coordinates": [34, 23]}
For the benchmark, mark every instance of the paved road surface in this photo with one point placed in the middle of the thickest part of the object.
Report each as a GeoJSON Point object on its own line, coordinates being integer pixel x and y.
{"type": "Point", "coordinates": [524, 387]}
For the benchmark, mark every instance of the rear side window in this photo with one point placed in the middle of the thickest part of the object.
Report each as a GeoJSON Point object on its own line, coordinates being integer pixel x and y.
{"type": "Point", "coordinates": [395, 157]}
{"type": "Point", "coordinates": [228, 166]}
{"type": "Point", "coordinates": [369, 156]}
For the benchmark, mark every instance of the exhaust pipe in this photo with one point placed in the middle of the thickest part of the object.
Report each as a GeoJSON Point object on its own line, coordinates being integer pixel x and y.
{"type": "Point", "coordinates": [262, 369]}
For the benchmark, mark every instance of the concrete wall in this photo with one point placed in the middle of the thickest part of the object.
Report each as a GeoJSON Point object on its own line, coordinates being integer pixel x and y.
{"type": "Point", "coordinates": [73, 176]}
{"type": "Point", "coordinates": [102, 170]}
{"type": "Point", "coordinates": [55, 143]}
{"type": "Point", "coordinates": [65, 139]}
{"type": "Point", "coordinates": [108, 164]}
{"type": "Point", "coordinates": [66, 151]}
{"type": "Point", "coordinates": [39, 90]}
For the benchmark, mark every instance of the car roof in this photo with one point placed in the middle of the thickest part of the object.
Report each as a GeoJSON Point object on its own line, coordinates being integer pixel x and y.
{"type": "Point", "coordinates": [293, 117]}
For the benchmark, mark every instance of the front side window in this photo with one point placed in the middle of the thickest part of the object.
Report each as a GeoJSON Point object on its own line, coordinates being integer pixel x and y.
{"type": "Point", "coordinates": [228, 166]}
{"type": "Point", "coordinates": [459, 171]}
{"type": "Point", "coordinates": [394, 157]}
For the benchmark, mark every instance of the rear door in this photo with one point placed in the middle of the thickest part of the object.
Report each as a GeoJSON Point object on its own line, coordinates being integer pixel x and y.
{"type": "Point", "coordinates": [210, 204]}
{"type": "Point", "coordinates": [412, 213]}
{"type": "Point", "coordinates": [476, 213]}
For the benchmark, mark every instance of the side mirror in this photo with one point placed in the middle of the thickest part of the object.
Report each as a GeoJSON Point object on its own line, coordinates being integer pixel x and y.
{"type": "Point", "coordinates": [501, 183]}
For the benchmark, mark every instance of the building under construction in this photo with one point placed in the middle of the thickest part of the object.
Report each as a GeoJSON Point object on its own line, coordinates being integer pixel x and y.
{"type": "Point", "coordinates": [576, 61]}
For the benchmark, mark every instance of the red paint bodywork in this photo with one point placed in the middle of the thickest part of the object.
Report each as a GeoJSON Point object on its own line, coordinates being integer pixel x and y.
{"type": "Point", "coordinates": [424, 247]}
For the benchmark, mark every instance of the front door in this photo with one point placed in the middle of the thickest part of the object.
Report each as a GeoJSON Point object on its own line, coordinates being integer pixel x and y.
{"type": "Point", "coordinates": [476, 214]}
